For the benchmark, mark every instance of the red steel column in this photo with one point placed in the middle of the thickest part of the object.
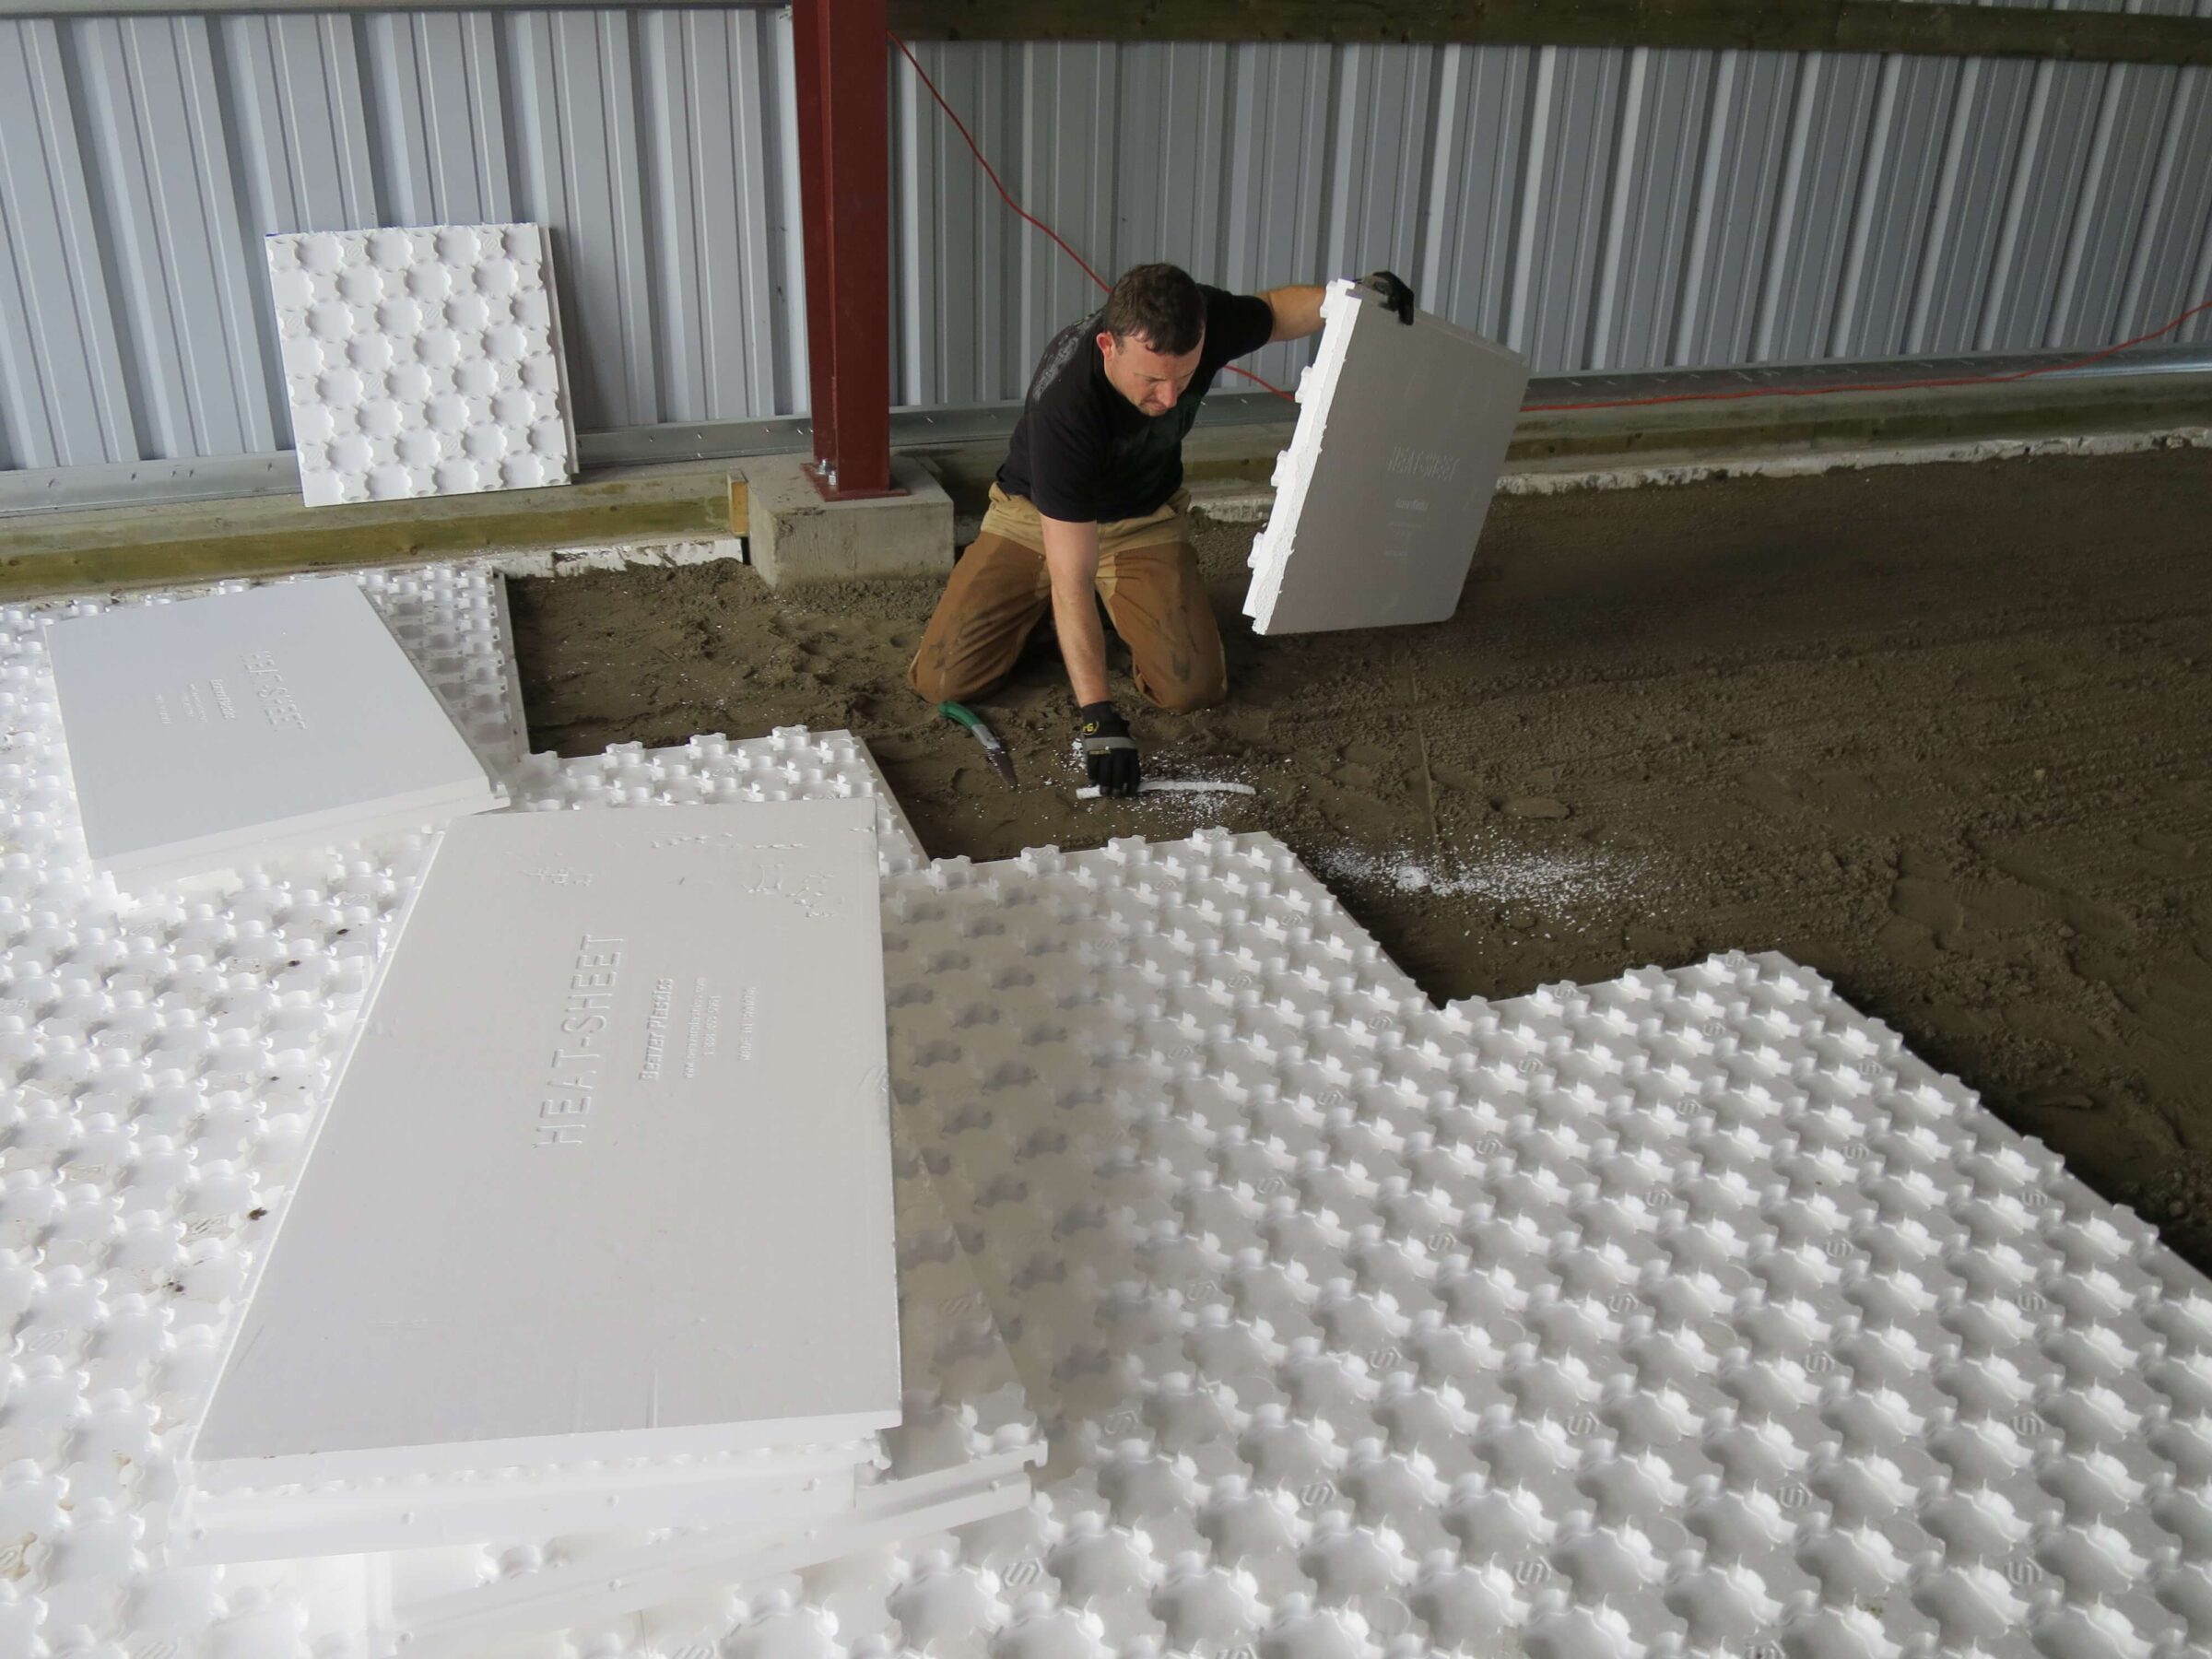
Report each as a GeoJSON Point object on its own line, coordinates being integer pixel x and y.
{"type": "Point", "coordinates": [844, 189]}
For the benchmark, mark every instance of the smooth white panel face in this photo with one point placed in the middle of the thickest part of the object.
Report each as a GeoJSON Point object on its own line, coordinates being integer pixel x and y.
{"type": "Point", "coordinates": [1382, 495]}
{"type": "Point", "coordinates": [195, 1133]}
{"type": "Point", "coordinates": [960, 1453]}
{"type": "Point", "coordinates": [609, 1171]}
{"type": "Point", "coordinates": [212, 728]}
{"type": "Point", "coordinates": [422, 360]}
{"type": "Point", "coordinates": [1436, 1214]}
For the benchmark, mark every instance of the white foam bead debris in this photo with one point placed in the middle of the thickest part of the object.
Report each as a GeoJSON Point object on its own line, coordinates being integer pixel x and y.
{"type": "Point", "coordinates": [422, 360]}
{"type": "Point", "coordinates": [1402, 432]}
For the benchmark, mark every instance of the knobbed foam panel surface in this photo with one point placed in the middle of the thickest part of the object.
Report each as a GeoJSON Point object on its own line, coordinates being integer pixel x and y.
{"type": "Point", "coordinates": [422, 360]}
{"type": "Point", "coordinates": [1685, 1315]}
{"type": "Point", "coordinates": [163, 1060]}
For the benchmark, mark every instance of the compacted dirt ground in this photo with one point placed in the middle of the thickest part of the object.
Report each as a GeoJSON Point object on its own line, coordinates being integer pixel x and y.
{"type": "Point", "coordinates": [1944, 733]}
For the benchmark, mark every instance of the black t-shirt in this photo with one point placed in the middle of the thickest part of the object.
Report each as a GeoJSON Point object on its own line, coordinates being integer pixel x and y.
{"type": "Point", "coordinates": [1084, 453]}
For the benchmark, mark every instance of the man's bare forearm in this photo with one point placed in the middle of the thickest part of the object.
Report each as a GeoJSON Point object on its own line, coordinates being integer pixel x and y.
{"type": "Point", "coordinates": [1071, 557]}
{"type": "Point", "coordinates": [1296, 311]}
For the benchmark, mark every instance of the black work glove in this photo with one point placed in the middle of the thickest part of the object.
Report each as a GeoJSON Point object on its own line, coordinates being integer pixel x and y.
{"type": "Point", "coordinates": [1396, 297]}
{"type": "Point", "coordinates": [1108, 749]}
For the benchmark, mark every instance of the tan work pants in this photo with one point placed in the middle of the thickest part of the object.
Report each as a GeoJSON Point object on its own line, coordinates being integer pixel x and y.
{"type": "Point", "coordinates": [1001, 589]}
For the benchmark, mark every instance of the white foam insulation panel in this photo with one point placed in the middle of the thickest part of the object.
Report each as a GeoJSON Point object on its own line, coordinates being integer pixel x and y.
{"type": "Point", "coordinates": [1402, 432]}
{"type": "Point", "coordinates": [608, 1173]}
{"type": "Point", "coordinates": [422, 360]}
{"type": "Point", "coordinates": [224, 727]}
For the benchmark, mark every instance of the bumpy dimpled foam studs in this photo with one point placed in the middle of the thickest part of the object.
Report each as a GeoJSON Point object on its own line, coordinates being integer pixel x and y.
{"type": "Point", "coordinates": [422, 361]}
{"type": "Point", "coordinates": [1682, 1315]}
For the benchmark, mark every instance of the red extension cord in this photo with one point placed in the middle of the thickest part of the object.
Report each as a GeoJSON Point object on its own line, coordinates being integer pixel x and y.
{"type": "Point", "coordinates": [1616, 403]}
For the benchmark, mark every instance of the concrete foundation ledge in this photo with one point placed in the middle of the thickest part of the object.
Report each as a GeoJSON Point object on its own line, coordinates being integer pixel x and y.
{"type": "Point", "coordinates": [626, 511]}
{"type": "Point", "coordinates": [795, 536]}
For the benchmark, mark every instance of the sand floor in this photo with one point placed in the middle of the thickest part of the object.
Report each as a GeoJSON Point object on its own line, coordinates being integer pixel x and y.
{"type": "Point", "coordinates": [1944, 733]}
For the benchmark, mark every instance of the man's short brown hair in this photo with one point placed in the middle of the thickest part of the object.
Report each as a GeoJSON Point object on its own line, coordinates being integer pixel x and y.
{"type": "Point", "coordinates": [1161, 305]}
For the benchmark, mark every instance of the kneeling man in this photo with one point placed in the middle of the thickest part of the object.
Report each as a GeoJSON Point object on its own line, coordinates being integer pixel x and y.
{"type": "Point", "coordinates": [1090, 500]}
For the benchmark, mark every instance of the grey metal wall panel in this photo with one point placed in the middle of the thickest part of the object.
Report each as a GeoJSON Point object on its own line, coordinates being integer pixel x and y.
{"type": "Point", "coordinates": [186, 283]}
{"type": "Point", "coordinates": [1828, 129]}
{"type": "Point", "coordinates": [1280, 147]}
{"type": "Point", "coordinates": [1170, 168]}
{"type": "Point", "coordinates": [1070, 114]}
{"type": "Point", "coordinates": [1746, 139]}
{"type": "Point", "coordinates": [433, 85]}
{"type": "Point", "coordinates": [1889, 223]}
{"type": "Point", "coordinates": [304, 144]}
{"type": "Point", "coordinates": [962, 271]}
{"type": "Point", "coordinates": [64, 398]}
{"type": "Point", "coordinates": [580, 136]}
{"type": "Point", "coordinates": [1568, 160]}
{"type": "Point", "coordinates": [2178, 203]}
{"type": "Point", "coordinates": [301, 120]}
{"type": "Point", "coordinates": [1381, 126]}
{"type": "Point", "coordinates": [1473, 194]}
{"type": "Point", "coordinates": [718, 210]}
{"type": "Point", "coordinates": [1988, 122]}
{"type": "Point", "coordinates": [2045, 182]}
{"type": "Point", "coordinates": [1597, 208]}
{"type": "Point", "coordinates": [2108, 222]}
{"type": "Point", "coordinates": [1664, 105]}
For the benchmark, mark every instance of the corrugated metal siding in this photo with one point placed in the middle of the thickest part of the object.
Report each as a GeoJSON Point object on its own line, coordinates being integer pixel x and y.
{"type": "Point", "coordinates": [143, 159]}
{"type": "Point", "coordinates": [1599, 209]}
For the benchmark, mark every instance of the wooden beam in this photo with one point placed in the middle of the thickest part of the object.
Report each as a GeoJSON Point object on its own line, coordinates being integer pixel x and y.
{"type": "Point", "coordinates": [264, 535]}
{"type": "Point", "coordinates": [198, 541]}
{"type": "Point", "coordinates": [1874, 26]}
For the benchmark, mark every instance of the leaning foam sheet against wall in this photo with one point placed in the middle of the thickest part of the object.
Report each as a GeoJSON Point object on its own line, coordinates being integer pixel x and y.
{"type": "Point", "coordinates": [424, 361]}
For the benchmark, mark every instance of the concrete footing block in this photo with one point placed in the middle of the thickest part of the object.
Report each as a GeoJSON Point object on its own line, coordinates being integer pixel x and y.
{"type": "Point", "coordinates": [797, 537]}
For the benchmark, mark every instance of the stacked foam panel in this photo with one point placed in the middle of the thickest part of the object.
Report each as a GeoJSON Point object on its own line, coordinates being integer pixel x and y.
{"type": "Point", "coordinates": [424, 361]}
{"type": "Point", "coordinates": [959, 1455]}
{"type": "Point", "coordinates": [1402, 431]}
{"type": "Point", "coordinates": [215, 731]}
{"type": "Point", "coordinates": [1687, 1314]}
{"type": "Point", "coordinates": [199, 1030]}
{"type": "Point", "coordinates": [597, 1238]}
